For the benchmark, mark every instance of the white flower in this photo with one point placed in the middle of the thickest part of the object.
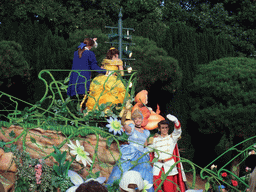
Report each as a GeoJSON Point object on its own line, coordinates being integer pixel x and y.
{"type": "Point", "coordinates": [81, 155]}
{"type": "Point", "coordinates": [146, 186]}
{"type": "Point", "coordinates": [251, 152]}
{"type": "Point", "coordinates": [213, 166]}
{"type": "Point", "coordinates": [114, 125]}
{"type": "Point", "coordinates": [78, 180]}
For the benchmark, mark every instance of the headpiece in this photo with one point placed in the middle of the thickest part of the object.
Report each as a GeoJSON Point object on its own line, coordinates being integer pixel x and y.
{"type": "Point", "coordinates": [136, 113]}
{"type": "Point", "coordinates": [112, 48]}
{"type": "Point", "coordinates": [82, 45]}
{"type": "Point", "coordinates": [141, 97]}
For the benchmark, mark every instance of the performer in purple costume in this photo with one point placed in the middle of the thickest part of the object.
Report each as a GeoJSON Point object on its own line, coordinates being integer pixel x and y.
{"type": "Point", "coordinates": [84, 59]}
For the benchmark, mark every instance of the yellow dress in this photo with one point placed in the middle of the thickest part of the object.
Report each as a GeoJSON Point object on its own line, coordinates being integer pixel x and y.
{"type": "Point", "coordinates": [106, 88]}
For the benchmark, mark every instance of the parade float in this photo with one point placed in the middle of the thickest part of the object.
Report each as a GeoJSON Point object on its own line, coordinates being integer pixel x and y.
{"type": "Point", "coordinates": [42, 143]}
{"type": "Point", "coordinates": [45, 145]}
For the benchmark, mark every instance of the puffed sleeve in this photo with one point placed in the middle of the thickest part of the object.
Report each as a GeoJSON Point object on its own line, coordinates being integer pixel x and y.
{"type": "Point", "coordinates": [133, 127]}
{"type": "Point", "coordinates": [94, 64]}
{"type": "Point", "coordinates": [119, 62]}
{"type": "Point", "coordinates": [147, 133]}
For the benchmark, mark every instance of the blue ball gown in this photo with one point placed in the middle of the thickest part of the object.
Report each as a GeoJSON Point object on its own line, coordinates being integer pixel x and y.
{"type": "Point", "coordinates": [77, 82]}
{"type": "Point", "coordinates": [131, 152]}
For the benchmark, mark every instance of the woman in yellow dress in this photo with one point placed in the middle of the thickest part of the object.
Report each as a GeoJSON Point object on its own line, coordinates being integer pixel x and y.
{"type": "Point", "coordinates": [107, 88]}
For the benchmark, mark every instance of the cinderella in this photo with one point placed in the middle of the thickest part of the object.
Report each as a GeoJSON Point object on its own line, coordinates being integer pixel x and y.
{"type": "Point", "coordinates": [134, 151]}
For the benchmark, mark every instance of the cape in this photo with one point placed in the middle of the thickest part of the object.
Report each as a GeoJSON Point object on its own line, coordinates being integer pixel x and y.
{"type": "Point", "coordinates": [181, 175]}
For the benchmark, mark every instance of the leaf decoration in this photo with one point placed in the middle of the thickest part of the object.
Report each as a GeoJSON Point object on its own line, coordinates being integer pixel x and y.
{"type": "Point", "coordinates": [12, 134]}
{"type": "Point", "coordinates": [96, 82]}
{"type": "Point", "coordinates": [207, 186]}
{"type": "Point", "coordinates": [109, 141]}
{"type": "Point", "coordinates": [66, 80]}
{"type": "Point", "coordinates": [32, 140]}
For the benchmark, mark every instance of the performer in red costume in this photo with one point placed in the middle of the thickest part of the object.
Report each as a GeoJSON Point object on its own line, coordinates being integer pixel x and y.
{"type": "Point", "coordinates": [167, 153]}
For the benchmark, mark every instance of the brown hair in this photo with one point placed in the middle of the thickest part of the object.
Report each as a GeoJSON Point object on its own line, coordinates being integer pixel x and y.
{"type": "Point", "coordinates": [88, 42]}
{"type": "Point", "coordinates": [163, 122]}
{"type": "Point", "coordinates": [111, 52]}
{"type": "Point", "coordinates": [91, 186]}
{"type": "Point", "coordinates": [133, 186]}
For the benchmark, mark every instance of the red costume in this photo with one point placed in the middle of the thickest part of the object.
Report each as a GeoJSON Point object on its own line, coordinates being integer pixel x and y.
{"type": "Point", "coordinates": [168, 145]}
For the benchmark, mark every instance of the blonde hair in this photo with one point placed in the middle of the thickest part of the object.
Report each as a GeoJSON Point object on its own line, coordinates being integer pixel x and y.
{"type": "Point", "coordinates": [136, 114]}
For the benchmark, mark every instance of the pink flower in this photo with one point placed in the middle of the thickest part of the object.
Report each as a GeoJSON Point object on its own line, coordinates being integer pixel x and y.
{"type": "Point", "coordinates": [38, 170]}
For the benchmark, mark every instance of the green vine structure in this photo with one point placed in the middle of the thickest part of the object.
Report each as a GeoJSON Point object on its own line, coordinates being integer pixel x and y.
{"type": "Point", "coordinates": [56, 111]}
{"type": "Point", "coordinates": [222, 176]}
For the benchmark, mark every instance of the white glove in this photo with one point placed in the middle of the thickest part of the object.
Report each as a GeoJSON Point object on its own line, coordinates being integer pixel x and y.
{"type": "Point", "coordinates": [95, 42]}
{"type": "Point", "coordinates": [173, 119]}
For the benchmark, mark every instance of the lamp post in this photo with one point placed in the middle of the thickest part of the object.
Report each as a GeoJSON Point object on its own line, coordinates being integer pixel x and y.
{"type": "Point", "coordinates": [121, 37]}
{"type": "Point", "coordinates": [120, 28]}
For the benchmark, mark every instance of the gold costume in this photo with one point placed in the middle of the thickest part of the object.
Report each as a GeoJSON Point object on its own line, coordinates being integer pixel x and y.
{"type": "Point", "coordinates": [107, 88]}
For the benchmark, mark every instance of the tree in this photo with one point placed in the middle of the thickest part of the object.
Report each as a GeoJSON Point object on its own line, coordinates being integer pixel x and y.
{"type": "Point", "coordinates": [223, 98]}
{"type": "Point", "coordinates": [66, 19]}
{"type": "Point", "coordinates": [12, 63]}
{"type": "Point", "coordinates": [173, 12]}
{"type": "Point", "coordinates": [231, 19]}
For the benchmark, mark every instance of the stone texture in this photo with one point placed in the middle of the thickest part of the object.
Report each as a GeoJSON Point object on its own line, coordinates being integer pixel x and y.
{"type": "Point", "coordinates": [45, 139]}
{"type": "Point", "coordinates": [8, 180]}
{"type": "Point", "coordinates": [7, 162]}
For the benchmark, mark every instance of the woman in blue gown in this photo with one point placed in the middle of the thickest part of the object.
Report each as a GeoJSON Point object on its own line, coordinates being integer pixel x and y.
{"type": "Point", "coordinates": [133, 151]}
{"type": "Point", "coordinates": [84, 59]}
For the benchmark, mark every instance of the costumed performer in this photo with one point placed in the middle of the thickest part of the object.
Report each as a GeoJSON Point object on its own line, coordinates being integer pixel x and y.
{"type": "Point", "coordinates": [134, 151]}
{"type": "Point", "coordinates": [107, 88]}
{"type": "Point", "coordinates": [151, 118]}
{"type": "Point", "coordinates": [84, 59]}
{"type": "Point", "coordinates": [167, 148]}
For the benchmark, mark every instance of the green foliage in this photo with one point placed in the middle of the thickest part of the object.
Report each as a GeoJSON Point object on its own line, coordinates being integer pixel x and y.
{"type": "Point", "coordinates": [173, 12]}
{"type": "Point", "coordinates": [115, 186]}
{"type": "Point", "coordinates": [211, 47]}
{"type": "Point", "coordinates": [59, 16]}
{"type": "Point", "coordinates": [7, 149]}
{"type": "Point", "coordinates": [62, 168]}
{"type": "Point", "coordinates": [223, 96]}
{"type": "Point", "coordinates": [12, 62]}
{"type": "Point", "coordinates": [227, 20]}
{"type": "Point", "coordinates": [12, 134]}
{"type": "Point", "coordinates": [153, 65]}
{"type": "Point", "coordinates": [26, 175]}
